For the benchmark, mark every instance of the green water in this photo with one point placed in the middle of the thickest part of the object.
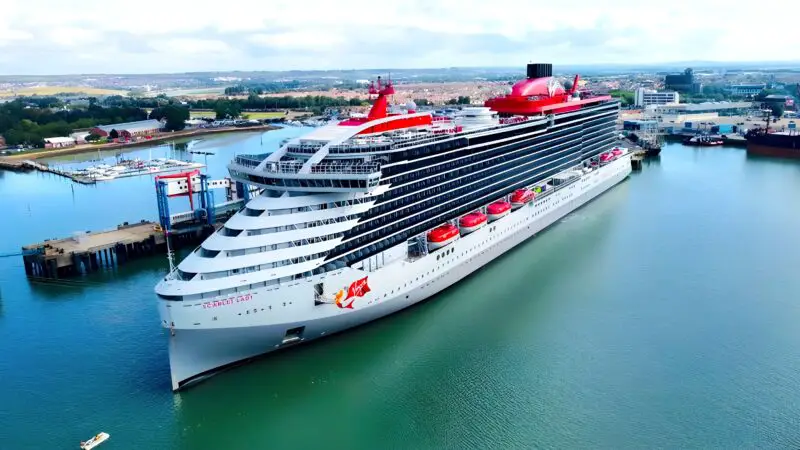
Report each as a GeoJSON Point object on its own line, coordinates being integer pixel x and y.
{"type": "Point", "coordinates": [662, 315]}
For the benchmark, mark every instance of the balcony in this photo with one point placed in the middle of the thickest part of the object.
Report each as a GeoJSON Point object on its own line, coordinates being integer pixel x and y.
{"type": "Point", "coordinates": [250, 161]}
{"type": "Point", "coordinates": [322, 177]}
{"type": "Point", "coordinates": [293, 167]}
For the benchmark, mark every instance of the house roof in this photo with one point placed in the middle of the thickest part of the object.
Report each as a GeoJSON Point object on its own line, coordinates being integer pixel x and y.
{"type": "Point", "coordinates": [59, 140]}
{"type": "Point", "coordinates": [132, 127]}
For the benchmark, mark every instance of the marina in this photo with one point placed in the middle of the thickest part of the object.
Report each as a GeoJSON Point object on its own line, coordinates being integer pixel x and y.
{"type": "Point", "coordinates": [104, 172]}
{"type": "Point", "coordinates": [131, 168]}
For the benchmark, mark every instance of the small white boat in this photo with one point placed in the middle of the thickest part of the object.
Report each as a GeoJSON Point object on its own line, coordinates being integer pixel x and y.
{"type": "Point", "coordinates": [95, 441]}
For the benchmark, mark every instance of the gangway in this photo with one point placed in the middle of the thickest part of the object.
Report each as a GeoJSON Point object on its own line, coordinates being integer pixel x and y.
{"type": "Point", "coordinates": [187, 184]}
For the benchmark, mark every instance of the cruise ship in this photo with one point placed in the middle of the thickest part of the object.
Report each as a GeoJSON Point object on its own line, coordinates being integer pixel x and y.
{"type": "Point", "coordinates": [364, 217]}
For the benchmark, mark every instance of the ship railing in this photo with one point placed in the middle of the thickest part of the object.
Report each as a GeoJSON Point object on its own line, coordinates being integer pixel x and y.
{"type": "Point", "coordinates": [251, 161]}
{"type": "Point", "coordinates": [349, 147]}
{"type": "Point", "coordinates": [293, 167]}
{"type": "Point", "coordinates": [363, 169]}
{"type": "Point", "coordinates": [284, 167]}
{"type": "Point", "coordinates": [304, 148]}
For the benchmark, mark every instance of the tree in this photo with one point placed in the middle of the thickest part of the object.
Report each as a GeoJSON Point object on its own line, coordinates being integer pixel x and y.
{"type": "Point", "coordinates": [175, 115]}
{"type": "Point", "coordinates": [463, 100]}
{"type": "Point", "coordinates": [422, 101]}
{"type": "Point", "coordinates": [92, 137]}
{"type": "Point", "coordinates": [225, 109]}
{"type": "Point", "coordinates": [777, 109]}
{"type": "Point", "coordinates": [114, 134]}
{"type": "Point", "coordinates": [625, 97]}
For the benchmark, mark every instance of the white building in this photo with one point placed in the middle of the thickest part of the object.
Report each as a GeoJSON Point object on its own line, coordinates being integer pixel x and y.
{"type": "Point", "coordinates": [747, 89]}
{"type": "Point", "coordinates": [58, 142]}
{"type": "Point", "coordinates": [722, 108]}
{"type": "Point", "coordinates": [646, 97]}
{"type": "Point", "coordinates": [79, 136]}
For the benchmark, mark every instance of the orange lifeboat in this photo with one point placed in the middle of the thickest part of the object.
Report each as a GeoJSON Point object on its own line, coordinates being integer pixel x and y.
{"type": "Point", "coordinates": [605, 157]}
{"type": "Point", "coordinates": [521, 197]}
{"type": "Point", "coordinates": [616, 152]}
{"type": "Point", "coordinates": [498, 209]}
{"type": "Point", "coordinates": [442, 235]}
{"type": "Point", "coordinates": [472, 222]}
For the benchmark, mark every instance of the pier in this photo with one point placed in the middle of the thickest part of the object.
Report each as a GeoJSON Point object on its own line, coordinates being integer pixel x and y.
{"type": "Point", "coordinates": [92, 251]}
{"type": "Point", "coordinates": [636, 160]}
{"type": "Point", "coordinates": [86, 253]}
{"type": "Point", "coordinates": [10, 164]}
{"type": "Point", "coordinates": [89, 252]}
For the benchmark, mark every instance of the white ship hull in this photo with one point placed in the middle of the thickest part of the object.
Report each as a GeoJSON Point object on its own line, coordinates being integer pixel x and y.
{"type": "Point", "coordinates": [213, 333]}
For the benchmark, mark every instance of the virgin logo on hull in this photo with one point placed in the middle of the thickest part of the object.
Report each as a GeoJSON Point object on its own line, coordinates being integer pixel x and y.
{"type": "Point", "coordinates": [358, 288]}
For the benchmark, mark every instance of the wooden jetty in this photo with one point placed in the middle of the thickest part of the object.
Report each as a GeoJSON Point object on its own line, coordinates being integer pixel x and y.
{"type": "Point", "coordinates": [15, 165]}
{"type": "Point", "coordinates": [89, 252]}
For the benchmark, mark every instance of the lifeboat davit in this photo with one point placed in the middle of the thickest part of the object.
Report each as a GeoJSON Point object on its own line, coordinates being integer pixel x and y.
{"type": "Point", "coordinates": [472, 222]}
{"type": "Point", "coordinates": [442, 235]}
{"type": "Point", "coordinates": [520, 197]}
{"type": "Point", "coordinates": [498, 209]}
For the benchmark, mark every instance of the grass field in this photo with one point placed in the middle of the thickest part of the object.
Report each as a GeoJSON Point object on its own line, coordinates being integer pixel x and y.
{"type": "Point", "coordinates": [251, 115]}
{"type": "Point", "coordinates": [52, 90]}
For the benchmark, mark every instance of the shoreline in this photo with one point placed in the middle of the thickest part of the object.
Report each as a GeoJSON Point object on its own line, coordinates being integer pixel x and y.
{"type": "Point", "coordinates": [86, 148]}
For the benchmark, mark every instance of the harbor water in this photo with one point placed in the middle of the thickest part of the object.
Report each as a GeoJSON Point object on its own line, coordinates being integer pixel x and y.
{"type": "Point", "coordinates": [664, 314]}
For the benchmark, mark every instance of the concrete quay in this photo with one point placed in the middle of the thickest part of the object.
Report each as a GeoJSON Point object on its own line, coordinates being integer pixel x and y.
{"type": "Point", "coordinates": [87, 253]}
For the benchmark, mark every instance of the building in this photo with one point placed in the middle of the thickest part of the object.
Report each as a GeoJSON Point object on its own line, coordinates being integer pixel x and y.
{"type": "Point", "coordinates": [79, 136]}
{"type": "Point", "coordinates": [647, 97]}
{"type": "Point", "coordinates": [130, 129]}
{"type": "Point", "coordinates": [58, 142]}
{"type": "Point", "coordinates": [2, 141]}
{"type": "Point", "coordinates": [783, 100]}
{"type": "Point", "coordinates": [699, 112]}
{"type": "Point", "coordinates": [683, 82]}
{"type": "Point", "coordinates": [721, 108]}
{"type": "Point", "coordinates": [746, 90]}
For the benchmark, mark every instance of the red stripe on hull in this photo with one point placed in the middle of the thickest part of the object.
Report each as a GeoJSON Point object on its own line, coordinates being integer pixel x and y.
{"type": "Point", "coordinates": [778, 152]}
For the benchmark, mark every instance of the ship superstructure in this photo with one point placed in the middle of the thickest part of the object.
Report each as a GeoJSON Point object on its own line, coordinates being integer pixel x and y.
{"type": "Point", "coordinates": [370, 215]}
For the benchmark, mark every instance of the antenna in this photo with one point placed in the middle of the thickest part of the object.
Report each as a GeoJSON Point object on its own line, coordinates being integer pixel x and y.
{"type": "Point", "coordinates": [170, 254]}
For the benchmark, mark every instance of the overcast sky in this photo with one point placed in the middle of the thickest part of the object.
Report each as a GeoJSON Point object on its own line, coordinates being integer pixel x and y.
{"type": "Point", "coordinates": [146, 36]}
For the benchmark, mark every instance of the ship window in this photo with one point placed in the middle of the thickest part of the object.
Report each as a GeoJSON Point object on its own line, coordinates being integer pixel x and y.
{"type": "Point", "coordinates": [206, 253]}
{"type": "Point", "coordinates": [184, 276]}
{"type": "Point", "coordinates": [251, 212]}
{"type": "Point", "coordinates": [174, 298]}
{"type": "Point", "coordinates": [225, 231]}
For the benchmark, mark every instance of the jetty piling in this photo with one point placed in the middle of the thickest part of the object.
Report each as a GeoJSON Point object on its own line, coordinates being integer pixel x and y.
{"type": "Point", "coordinates": [91, 252]}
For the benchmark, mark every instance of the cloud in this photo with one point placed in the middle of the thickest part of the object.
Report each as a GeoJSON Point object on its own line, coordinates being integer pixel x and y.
{"type": "Point", "coordinates": [205, 35]}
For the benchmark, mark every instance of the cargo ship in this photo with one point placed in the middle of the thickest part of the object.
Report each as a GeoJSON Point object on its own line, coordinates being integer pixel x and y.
{"type": "Point", "coordinates": [364, 217]}
{"type": "Point", "coordinates": [763, 142]}
{"type": "Point", "coordinates": [779, 144]}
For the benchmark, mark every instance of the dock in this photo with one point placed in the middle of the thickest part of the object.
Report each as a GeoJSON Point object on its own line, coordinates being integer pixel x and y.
{"type": "Point", "coordinates": [15, 165]}
{"type": "Point", "coordinates": [636, 160]}
{"type": "Point", "coordinates": [88, 252]}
